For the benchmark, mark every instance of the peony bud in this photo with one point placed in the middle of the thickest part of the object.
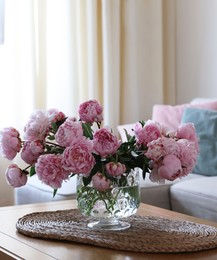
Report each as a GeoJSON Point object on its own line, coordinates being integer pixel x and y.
{"type": "Point", "coordinates": [15, 177]}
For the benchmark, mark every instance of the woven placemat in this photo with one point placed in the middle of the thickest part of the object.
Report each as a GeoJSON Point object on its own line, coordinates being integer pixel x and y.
{"type": "Point", "coordinates": [146, 234]}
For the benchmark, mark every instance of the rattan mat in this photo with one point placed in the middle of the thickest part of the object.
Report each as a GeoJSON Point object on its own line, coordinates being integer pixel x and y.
{"type": "Point", "coordinates": [146, 234]}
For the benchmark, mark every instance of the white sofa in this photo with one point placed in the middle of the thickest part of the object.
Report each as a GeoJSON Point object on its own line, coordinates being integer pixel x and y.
{"type": "Point", "coordinates": [195, 194]}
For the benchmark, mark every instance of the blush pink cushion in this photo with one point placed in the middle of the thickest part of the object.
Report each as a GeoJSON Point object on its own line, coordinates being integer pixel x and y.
{"type": "Point", "coordinates": [171, 116]}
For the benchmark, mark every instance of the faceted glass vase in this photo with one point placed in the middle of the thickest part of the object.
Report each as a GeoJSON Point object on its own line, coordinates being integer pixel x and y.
{"type": "Point", "coordinates": [110, 208]}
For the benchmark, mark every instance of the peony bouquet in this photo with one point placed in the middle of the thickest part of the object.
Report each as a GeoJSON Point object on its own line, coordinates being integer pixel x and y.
{"type": "Point", "coordinates": [56, 147]}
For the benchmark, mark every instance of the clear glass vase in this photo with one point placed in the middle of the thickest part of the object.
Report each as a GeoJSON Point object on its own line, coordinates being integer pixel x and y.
{"type": "Point", "coordinates": [110, 208]}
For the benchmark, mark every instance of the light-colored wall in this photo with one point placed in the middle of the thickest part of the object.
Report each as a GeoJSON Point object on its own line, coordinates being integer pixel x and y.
{"type": "Point", "coordinates": [196, 49]}
{"type": "Point", "coordinates": [6, 191]}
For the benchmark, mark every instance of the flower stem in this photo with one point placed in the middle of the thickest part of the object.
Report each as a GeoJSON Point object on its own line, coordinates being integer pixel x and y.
{"type": "Point", "coordinates": [54, 144]}
{"type": "Point", "coordinates": [27, 167]}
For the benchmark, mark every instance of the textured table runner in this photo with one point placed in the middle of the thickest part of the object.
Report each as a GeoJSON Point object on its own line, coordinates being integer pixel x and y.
{"type": "Point", "coordinates": [146, 234]}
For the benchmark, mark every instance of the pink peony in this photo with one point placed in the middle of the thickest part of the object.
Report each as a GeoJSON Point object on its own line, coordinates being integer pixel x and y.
{"type": "Point", "coordinates": [100, 182]}
{"type": "Point", "coordinates": [31, 151]}
{"type": "Point", "coordinates": [37, 127]}
{"type": "Point", "coordinates": [187, 131]}
{"type": "Point", "coordinates": [90, 111]}
{"type": "Point", "coordinates": [56, 146]}
{"type": "Point", "coordinates": [10, 142]}
{"type": "Point", "coordinates": [50, 171]}
{"type": "Point", "coordinates": [115, 169]}
{"type": "Point", "coordinates": [55, 115]}
{"type": "Point", "coordinates": [171, 168]}
{"type": "Point", "coordinates": [161, 147]}
{"type": "Point", "coordinates": [147, 133]}
{"type": "Point", "coordinates": [188, 155]}
{"type": "Point", "coordinates": [68, 132]}
{"type": "Point", "coordinates": [104, 142]}
{"type": "Point", "coordinates": [15, 177]}
{"type": "Point", "coordinates": [78, 157]}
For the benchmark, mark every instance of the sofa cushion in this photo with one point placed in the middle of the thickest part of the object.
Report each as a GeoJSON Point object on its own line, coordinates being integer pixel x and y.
{"type": "Point", "coordinates": [159, 194]}
{"type": "Point", "coordinates": [29, 194]}
{"type": "Point", "coordinates": [171, 116]}
{"type": "Point", "coordinates": [200, 100]}
{"type": "Point", "coordinates": [35, 191]}
{"type": "Point", "coordinates": [205, 122]}
{"type": "Point", "coordinates": [196, 197]}
{"type": "Point", "coordinates": [68, 186]}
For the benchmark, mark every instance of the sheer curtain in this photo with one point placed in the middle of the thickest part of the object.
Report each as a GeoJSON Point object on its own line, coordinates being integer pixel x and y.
{"type": "Point", "coordinates": [2, 11]}
{"type": "Point", "coordinates": [59, 53]}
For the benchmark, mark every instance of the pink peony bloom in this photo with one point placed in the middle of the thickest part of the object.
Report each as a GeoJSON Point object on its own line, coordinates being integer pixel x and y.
{"type": "Point", "coordinates": [38, 126]}
{"type": "Point", "coordinates": [147, 133]}
{"type": "Point", "coordinates": [162, 147]}
{"type": "Point", "coordinates": [115, 169]}
{"type": "Point", "coordinates": [68, 132]}
{"type": "Point", "coordinates": [187, 131]}
{"type": "Point", "coordinates": [10, 142]}
{"type": "Point", "coordinates": [78, 157]}
{"type": "Point", "coordinates": [50, 171]}
{"type": "Point", "coordinates": [171, 168]}
{"type": "Point", "coordinates": [90, 111]}
{"type": "Point", "coordinates": [15, 177]}
{"type": "Point", "coordinates": [56, 146]}
{"type": "Point", "coordinates": [31, 151]}
{"type": "Point", "coordinates": [100, 182]}
{"type": "Point", "coordinates": [188, 155]}
{"type": "Point", "coordinates": [55, 115]}
{"type": "Point", "coordinates": [104, 142]}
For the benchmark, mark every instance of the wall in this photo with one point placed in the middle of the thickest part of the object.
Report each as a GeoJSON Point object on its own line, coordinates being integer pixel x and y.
{"type": "Point", "coordinates": [6, 191]}
{"type": "Point", "coordinates": [196, 49]}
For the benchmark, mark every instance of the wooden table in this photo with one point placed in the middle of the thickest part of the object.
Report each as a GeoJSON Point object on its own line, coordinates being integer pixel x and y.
{"type": "Point", "coordinates": [16, 246]}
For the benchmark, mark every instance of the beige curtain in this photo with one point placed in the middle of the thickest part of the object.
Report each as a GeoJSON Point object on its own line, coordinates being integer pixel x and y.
{"type": "Point", "coordinates": [2, 9]}
{"type": "Point", "coordinates": [141, 60]}
{"type": "Point", "coordinates": [59, 53]}
{"type": "Point", "coordinates": [110, 50]}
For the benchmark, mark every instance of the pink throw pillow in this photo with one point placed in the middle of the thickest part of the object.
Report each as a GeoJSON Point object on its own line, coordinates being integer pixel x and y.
{"type": "Point", "coordinates": [171, 116]}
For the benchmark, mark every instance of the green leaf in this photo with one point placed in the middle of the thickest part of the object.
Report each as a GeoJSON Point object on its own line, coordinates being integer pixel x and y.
{"type": "Point", "coordinates": [129, 137]}
{"type": "Point", "coordinates": [142, 122]}
{"type": "Point", "coordinates": [56, 125]}
{"type": "Point", "coordinates": [87, 130]}
{"type": "Point", "coordinates": [144, 174]}
{"type": "Point", "coordinates": [51, 137]}
{"type": "Point", "coordinates": [32, 171]}
{"type": "Point", "coordinates": [54, 192]}
{"type": "Point", "coordinates": [96, 168]}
